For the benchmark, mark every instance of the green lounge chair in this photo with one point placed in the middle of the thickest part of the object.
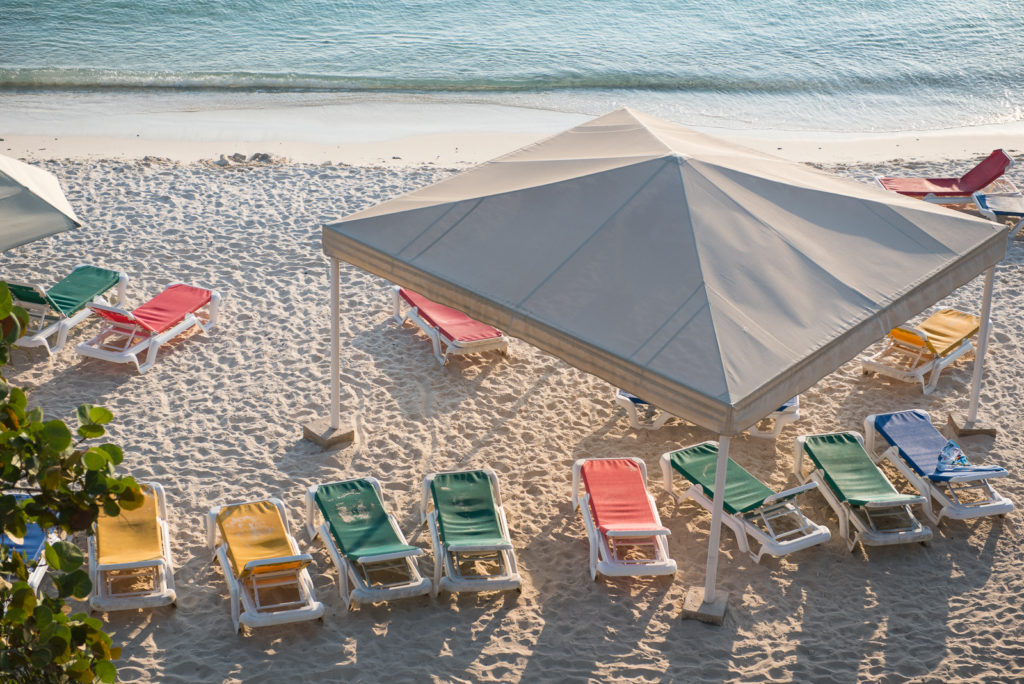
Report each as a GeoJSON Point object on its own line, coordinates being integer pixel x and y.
{"type": "Point", "coordinates": [858, 491]}
{"type": "Point", "coordinates": [365, 542]}
{"type": "Point", "coordinates": [57, 310]}
{"type": "Point", "coordinates": [752, 509]}
{"type": "Point", "coordinates": [469, 532]}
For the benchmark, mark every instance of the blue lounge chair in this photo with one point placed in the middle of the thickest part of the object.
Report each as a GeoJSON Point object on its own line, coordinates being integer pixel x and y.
{"type": "Point", "coordinates": [963, 491]}
{"type": "Point", "coordinates": [31, 547]}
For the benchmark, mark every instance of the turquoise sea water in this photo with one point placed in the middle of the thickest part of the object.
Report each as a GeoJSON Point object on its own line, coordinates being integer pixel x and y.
{"type": "Point", "coordinates": [863, 65]}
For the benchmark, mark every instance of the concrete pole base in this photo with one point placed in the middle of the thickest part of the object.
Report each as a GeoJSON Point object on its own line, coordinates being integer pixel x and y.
{"type": "Point", "coordinates": [320, 433]}
{"type": "Point", "coordinates": [959, 424]}
{"type": "Point", "coordinates": [711, 612]}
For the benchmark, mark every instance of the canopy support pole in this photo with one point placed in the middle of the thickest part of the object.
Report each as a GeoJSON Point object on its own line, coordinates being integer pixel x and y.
{"type": "Point", "coordinates": [706, 603]}
{"type": "Point", "coordinates": [335, 276]}
{"type": "Point", "coordinates": [969, 426]}
{"type": "Point", "coordinates": [330, 432]}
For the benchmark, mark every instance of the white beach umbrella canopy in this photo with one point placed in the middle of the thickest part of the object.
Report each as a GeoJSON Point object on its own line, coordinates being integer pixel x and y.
{"type": "Point", "coordinates": [32, 204]}
{"type": "Point", "coordinates": [714, 281]}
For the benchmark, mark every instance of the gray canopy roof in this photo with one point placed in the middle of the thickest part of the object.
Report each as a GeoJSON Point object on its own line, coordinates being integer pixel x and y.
{"type": "Point", "coordinates": [710, 279]}
{"type": "Point", "coordinates": [32, 204]}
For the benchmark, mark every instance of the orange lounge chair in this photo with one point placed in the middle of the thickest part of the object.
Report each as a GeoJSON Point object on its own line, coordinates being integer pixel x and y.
{"type": "Point", "coordinates": [954, 190]}
{"type": "Point", "coordinates": [450, 331]}
{"type": "Point", "coordinates": [130, 334]}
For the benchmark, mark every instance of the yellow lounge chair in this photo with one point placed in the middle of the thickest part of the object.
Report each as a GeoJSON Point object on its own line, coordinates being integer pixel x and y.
{"type": "Point", "coordinates": [921, 353]}
{"type": "Point", "coordinates": [130, 557]}
{"type": "Point", "coordinates": [266, 574]}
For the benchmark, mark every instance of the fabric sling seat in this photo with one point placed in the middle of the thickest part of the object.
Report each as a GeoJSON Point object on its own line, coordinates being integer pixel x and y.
{"type": "Point", "coordinates": [31, 546]}
{"type": "Point", "coordinates": [468, 526]}
{"type": "Point", "coordinates": [132, 548]}
{"type": "Point", "coordinates": [858, 491]}
{"type": "Point", "coordinates": [643, 415]}
{"type": "Point", "coordinates": [364, 541]}
{"type": "Point", "coordinates": [954, 190]}
{"type": "Point", "coordinates": [450, 331]}
{"type": "Point", "coordinates": [55, 311]}
{"type": "Point", "coordinates": [752, 509]}
{"type": "Point", "coordinates": [625, 532]}
{"type": "Point", "coordinates": [266, 575]}
{"type": "Point", "coordinates": [921, 353]}
{"type": "Point", "coordinates": [962, 492]}
{"type": "Point", "coordinates": [130, 334]}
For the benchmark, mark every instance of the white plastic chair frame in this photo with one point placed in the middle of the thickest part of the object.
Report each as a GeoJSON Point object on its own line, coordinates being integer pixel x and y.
{"type": "Point", "coordinates": [122, 343]}
{"type": "Point", "coordinates": [247, 605]}
{"type": "Point", "coordinates": [44, 321]}
{"type": "Point", "coordinates": [878, 523]}
{"type": "Point", "coordinates": [161, 570]}
{"type": "Point", "coordinates": [448, 557]}
{"type": "Point", "coordinates": [948, 495]}
{"type": "Point", "coordinates": [760, 523]}
{"type": "Point", "coordinates": [604, 547]}
{"type": "Point", "coordinates": [913, 363]}
{"type": "Point", "coordinates": [358, 572]}
{"type": "Point", "coordinates": [992, 215]}
{"type": "Point", "coordinates": [443, 346]}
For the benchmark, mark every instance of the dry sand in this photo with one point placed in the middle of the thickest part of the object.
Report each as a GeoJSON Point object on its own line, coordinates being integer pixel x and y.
{"type": "Point", "coordinates": [218, 419]}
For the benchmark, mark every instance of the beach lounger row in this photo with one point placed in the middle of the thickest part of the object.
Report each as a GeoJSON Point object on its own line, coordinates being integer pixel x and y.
{"type": "Point", "coordinates": [268, 578]}
{"type": "Point", "coordinates": [133, 336]}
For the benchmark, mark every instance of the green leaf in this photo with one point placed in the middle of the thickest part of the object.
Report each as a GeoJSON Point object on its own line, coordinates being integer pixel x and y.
{"type": "Point", "coordinates": [44, 617]}
{"type": "Point", "coordinates": [100, 415]}
{"type": "Point", "coordinates": [69, 557]}
{"type": "Point", "coordinates": [57, 435]}
{"type": "Point", "coordinates": [105, 670]}
{"type": "Point", "coordinates": [115, 452]}
{"type": "Point", "coordinates": [90, 431]}
{"type": "Point", "coordinates": [6, 301]}
{"type": "Point", "coordinates": [95, 459]}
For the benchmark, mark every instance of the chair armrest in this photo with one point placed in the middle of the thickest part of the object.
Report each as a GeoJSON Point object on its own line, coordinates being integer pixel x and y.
{"type": "Point", "coordinates": [637, 533]}
{"type": "Point", "coordinates": [892, 503]}
{"type": "Point", "coordinates": [105, 567]}
{"type": "Point", "coordinates": [790, 493]}
{"type": "Point", "coordinates": [303, 558]}
{"type": "Point", "coordinates": [460, 548]}
{"type": "Point", "coordinates": [394, 555]}
{"type": "Point", "coordinates": [971, 475]}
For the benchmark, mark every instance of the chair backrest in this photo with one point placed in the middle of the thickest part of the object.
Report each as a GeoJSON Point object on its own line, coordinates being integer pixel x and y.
{"type": "Point", "coordinates": [131, 535]}
{"type": "Point", "coordinates": [31, 545]}
{"type": "Point", "coordinates": [170, 307]}
{"type": "Point", "coordinates": [913, 434]}
{"type": "Point", "coordinates": [23, 292]}
{"type": "Point", "coordinates": [356, 518]}
{"type": "Point", "coordinates": [743, 491]}
{"type": "Point", "coordinates": [991, 168]}
{"type": "Point", "coordinates": [454, 324]}
{"type": "Point", "coordinates": [254, 531]}
{"type": "Point", "coordinates": [618, 495]}
{"type": "Point", "coordinates": [466, 508]}
{"type": "Point", "coordinates": [848, 470]}
{"type": "Point", "coordinates": [80, 287]}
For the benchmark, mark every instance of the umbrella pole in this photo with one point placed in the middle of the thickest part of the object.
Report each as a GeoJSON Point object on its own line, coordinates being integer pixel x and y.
{"type": "Point", "coordinates": [979, 355]}
{"type": "Point", "coordinates": [335, 275]}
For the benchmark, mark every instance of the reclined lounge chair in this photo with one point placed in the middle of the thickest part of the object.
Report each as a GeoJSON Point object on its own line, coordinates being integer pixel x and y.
{"type": "Point", "coordinates": [130, 561]}
{"type": "Point", "coordinates": [130, 334]}
{"type": "Point", "coordinates": [55, 311]}
{"type": "Point", "coordinates": [472, 547]}
{"type": "Point", "coordinates": [920, 354]}
{"type": "Point", "coordinates": [450, 331]}
{"type": "Point", "coordinates": [752, 509]}
{"type": "Point", "coordinates": [625, 532]}
{"type": "Point", "coordinates": [858, 491]}
{"type": "Point", "coordinates": [365, 542]}
{"type": "Point", "coordinates": [31, 547]}
{"type": "Point", "coordinates": [963, 492]}
{"type": "Point", "coordinates": [955, 190]}
{"type": "Point", "coordinates": [266, 574]}
{"type": "Point", "coordinates": [645, 416]}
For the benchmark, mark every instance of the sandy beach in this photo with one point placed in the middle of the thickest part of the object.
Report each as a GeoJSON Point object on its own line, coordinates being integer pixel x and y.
{"type": "Point", "coordinates": [218, 420]}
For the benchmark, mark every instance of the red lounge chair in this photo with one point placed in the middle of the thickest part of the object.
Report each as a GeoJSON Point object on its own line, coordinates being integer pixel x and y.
{"type": "Point", "coordinates": [621, 518]}
{"type": "Point", "coordinates": [954, 190]}
{"type": "Point", "coordinates": [129, 334]}
{"type": "Point", "coordinates": [449, 330]}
